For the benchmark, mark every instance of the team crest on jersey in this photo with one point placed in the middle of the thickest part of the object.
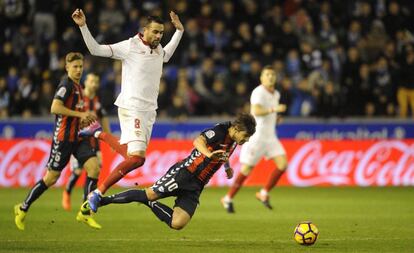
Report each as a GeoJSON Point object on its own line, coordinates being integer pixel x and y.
{"type": "Point", "coordinates": [138, 133]}
{"type": "Point", "coordinates": [210, 134]}
{"type": "Point", "coordinates": [80, 104]}
{"type": "Point", "coordinates": [61, 92]}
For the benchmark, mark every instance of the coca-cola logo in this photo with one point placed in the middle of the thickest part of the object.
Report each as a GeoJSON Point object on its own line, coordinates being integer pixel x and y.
{"type": "Point", "coordinates": [24, 163]}
{"type": "Point", "coordinates": [382, 163]}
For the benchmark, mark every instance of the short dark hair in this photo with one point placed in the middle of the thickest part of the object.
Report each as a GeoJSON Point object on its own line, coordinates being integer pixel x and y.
{"type": "Point", "coordinates": [268, 67]}
{"type": "Point", "coordinates": [73, 56]}
{"type": "Point", "coordinates": [245, 122]}
{"type": "Point", "coordinates": [154, 19]}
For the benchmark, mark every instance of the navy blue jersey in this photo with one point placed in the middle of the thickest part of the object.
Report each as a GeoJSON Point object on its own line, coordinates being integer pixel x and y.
{"type": "Point", "coordinates": [218, 138]}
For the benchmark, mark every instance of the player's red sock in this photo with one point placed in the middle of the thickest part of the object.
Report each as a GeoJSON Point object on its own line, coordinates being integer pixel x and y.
{"type": "Point", "coordinates": [273, 179]}
{"type": "Point", "coordinates": [236, 185]}
{"type": "Point", "coordinates": [114, 143]}
{"type": "Point", "coordinates": [120, 171]}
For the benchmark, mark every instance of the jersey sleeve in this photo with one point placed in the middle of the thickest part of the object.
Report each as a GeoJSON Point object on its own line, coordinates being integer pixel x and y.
{"type": "Point", "coordinates": [256, 98]}
{"type": "Point", "coordinates": [63, 91]}
{"type": "Point", "coordinates": [120, 50]}
{"type": "Point", "coordinates": [117, 51]}
{"type": "Point", "coordinates": [215, 134]}
{"type": "Point", "coordinates": [172, 45]}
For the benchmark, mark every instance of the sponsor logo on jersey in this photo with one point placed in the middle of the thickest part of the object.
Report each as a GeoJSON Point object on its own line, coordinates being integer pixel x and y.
{"type": "Point", "coordinates": [210, 134]}
{"type": "Point", "coordinates": [61, 92]}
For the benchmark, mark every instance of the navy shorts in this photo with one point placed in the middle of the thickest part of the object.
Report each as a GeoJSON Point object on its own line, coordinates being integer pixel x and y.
{"type": "Point", "coordinates": [179, 182]}
{"type": "Point", "coordinates": [62, 150]}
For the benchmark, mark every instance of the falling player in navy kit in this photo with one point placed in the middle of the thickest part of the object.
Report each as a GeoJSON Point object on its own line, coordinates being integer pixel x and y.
{"type": "Point", "coordinates": [91, 103]}
{"type": "Point", "coordinates": [186, 179]}
{"type": "Point", "coordinates": [68, 107]}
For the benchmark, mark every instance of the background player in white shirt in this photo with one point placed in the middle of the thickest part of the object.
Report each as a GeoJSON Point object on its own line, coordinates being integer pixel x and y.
{"type": "Point", "coordinates": [142, 58]}
{"type": "Point", "coordinates": [264, 143]}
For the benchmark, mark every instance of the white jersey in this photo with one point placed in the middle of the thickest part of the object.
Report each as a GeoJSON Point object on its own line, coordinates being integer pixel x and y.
{"type": "Point", "coordinates": [141, 68]}
{"type": "Point", "coordinates": [265, 125]}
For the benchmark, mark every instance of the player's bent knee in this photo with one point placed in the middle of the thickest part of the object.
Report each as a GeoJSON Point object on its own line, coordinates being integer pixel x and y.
{"type": "Point", "coordinates": [151, 195]}
{"type": "Point", "coordinates": [245, 170]}
{"type": "Point", "coordinates": [177, 225]}
{"type": "Point", "coordinates": [51, 177]}
{"type": "Point", "coordinates": [138, 161]}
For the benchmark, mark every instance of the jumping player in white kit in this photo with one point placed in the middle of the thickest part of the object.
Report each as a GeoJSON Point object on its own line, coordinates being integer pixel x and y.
{"type": "Point", "coordinates": [142, 59]}
{"type": "Point", "coordinates": [264, 143]}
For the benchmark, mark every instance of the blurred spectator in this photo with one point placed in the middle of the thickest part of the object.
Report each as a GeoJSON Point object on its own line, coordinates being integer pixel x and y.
{"type": "Point", "coordinates": [406, 88]}
{"type": "Point", "coordinates": [308, 35]}
{"type": "Point", "coordinates": [328, 104]}
{"type": "Point", "coordinates": [12, 79]}
{"type": "Point", "coordinates": [349, 82]}
{"type": "Point", "coordinates": [293, 65]}
{"type": "Point", "coordinates": [217, 41]}
{"type": "Point", "coordinates": [303, 103]}
{"type": "Point", "coordinates": [383, 88]}
{"type": "Point", "coordinates": [25, 98]}
{"type": "Point", "coordinates": [44, 21]}
{"type": "Point", "coordinates": [286, 96]}
{"type": "Point", "coordinates": [268, 53]}
{"type": "Point", "coordinates": [228, 15]}
{"type": "Point", "coordinates": [288, 39]}
{"type": "Point", "coordinates": [177, 110]}
{"type": "Point", "coordinates": [376, 41]}
{"type": "Point", "coordinates": [204, 83]}
{"type": "Point", "coordinates": [353, 34]}
{"type": "Point", "coordinates": [240, 99]}
{"type": "Point", "coordinates": [394, 20]}
{"type": "Point", "coordinates": [364, 100]}
{"type": "Point", "coordinates": [205, 19]}
{"type": "Point", "coordinates": [22, 38]}
{"type": "Point", "coordinates": [112, 16]}
{"type": "Point", "coordinates": [164, 99]}
{"type": "Point", "coordinates": [7, 58]}
{"type": "Point", "coordinates": [187, 93]}
{"type": "Point", "coordinates": [219, 99]}
{"type": "Point", "coordinates": [4, 99]}
{"type": "Point", "coordinates": [234, 75]}
{"type": "Point", "coordinates": [242, 41]}
{"type": "Point", "coordinates": [92, 13]}
{"type": "Point", "coordinates": [45, 100]}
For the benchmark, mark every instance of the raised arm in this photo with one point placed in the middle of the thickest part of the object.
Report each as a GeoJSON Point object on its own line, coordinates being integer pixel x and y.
{"type": "Point", "coordinates": [94, 48]}
{"type": "Point", "coordinates": [172, 45]}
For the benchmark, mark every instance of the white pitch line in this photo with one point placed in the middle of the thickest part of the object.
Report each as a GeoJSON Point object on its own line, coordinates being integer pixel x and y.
{"type": "Point", "coordinates": [207, 240]}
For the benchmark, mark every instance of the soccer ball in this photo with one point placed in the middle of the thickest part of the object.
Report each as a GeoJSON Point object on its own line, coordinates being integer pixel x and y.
{"type": "Point", "coordinates": [306, 233]}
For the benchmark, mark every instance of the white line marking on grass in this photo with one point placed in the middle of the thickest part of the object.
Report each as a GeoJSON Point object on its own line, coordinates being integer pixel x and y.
{"type": "Point", "coordinates": [205, 240]}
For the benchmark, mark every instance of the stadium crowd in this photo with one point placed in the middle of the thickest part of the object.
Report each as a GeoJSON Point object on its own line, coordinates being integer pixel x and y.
{"type": "Point", "coordinates": [333, 58]}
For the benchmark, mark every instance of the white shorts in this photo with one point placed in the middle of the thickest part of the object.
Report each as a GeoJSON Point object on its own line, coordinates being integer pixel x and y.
{"type": "Point", "coordinates": [136, 128]}
{"type": "Point", "coordinates": [253, 150]}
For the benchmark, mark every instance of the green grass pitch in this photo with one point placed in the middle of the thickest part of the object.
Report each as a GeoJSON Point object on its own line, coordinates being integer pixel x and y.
{"type": "Point", "coordinates": [349, 220]}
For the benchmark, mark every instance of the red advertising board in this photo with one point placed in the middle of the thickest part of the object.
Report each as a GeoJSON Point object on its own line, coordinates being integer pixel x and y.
{"type": "Point", "coordinates": [327, 163]}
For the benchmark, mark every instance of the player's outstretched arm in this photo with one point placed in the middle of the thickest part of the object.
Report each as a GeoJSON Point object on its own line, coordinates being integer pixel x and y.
{"type": "Point", "coordinates": [172, 45]}
{"type": "Point", "coordinates": [94, 48]}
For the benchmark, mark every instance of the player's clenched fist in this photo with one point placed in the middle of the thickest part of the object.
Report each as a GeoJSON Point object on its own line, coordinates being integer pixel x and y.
{"type": "Point", "coordinates": [219, 155]}
{"type": "Point", "coordinates": [79, 17]}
